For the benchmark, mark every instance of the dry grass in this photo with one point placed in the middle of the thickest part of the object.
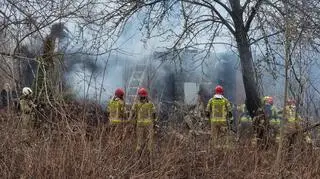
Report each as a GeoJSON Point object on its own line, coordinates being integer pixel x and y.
{"type": "Point", "coordinates": [67, 151]}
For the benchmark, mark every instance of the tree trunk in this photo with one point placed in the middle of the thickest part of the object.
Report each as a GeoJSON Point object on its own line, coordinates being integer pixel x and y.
{"type": "Point", "coordinates": [253, 101]}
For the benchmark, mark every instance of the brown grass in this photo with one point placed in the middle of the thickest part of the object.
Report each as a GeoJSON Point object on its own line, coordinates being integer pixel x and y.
{"type": "Point", "coordinates": [66, 150]}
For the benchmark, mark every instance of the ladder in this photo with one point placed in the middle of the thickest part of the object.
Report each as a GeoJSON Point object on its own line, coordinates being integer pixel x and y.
{"type": "Point", "coordinates": [136, 79]}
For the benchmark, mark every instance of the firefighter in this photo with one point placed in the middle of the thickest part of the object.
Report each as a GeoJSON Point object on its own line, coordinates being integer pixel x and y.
{"type": "Point", "coordinates": [26, 106]}
{"type": "Point", "coordinates": [291, 112]}
{"type": "Point", "coordinates": [219, 111]}
{"type": "Point", "coordinates": [294, 122]}
{"type": "Point", "coordinates": [116, 112]}
{"type": "Point", "coordinates": [144, 115]}
{"type": "Point", "coordinates": [245, 124]}
{"type": "Point", "coordinates": [116, 108]}
{"type": "Point", "coordinates": [271, 114]}
{"type": "Point", "coordinates": [265, 99]}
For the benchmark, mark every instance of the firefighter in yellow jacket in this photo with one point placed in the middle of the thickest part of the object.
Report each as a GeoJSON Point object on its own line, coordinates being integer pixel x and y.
{"type": "Point", "coordinates": [219, 111]}
{"type": "Point", "coordinates": [245, 123]}
{"type": "Point", "coordinates": [26, 106]}
{"type": "Point", "coordinates": [144, 114]}
{"type": "Point", "coordinates": [294, 121]}
{"type": "Point", "coordinates": [116, 110]}
{"type": "Point", "coordinates": [271, 114]}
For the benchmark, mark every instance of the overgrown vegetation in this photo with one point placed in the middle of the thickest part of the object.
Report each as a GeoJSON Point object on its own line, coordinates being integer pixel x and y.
{"type": "Point", "coordinates": [42, 41]}
{"type": "Point", "coordinates": [75, 148]}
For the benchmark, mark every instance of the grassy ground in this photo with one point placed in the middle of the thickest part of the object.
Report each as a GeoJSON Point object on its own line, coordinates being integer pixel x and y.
{"type": "Point", "coordinates": [68, 151]}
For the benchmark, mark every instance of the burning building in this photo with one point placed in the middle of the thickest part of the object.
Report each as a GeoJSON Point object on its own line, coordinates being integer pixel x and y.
{"type": "Point", "coordinates": [196, 75]}
{"type": "Point", "coordinates": [187, 77]}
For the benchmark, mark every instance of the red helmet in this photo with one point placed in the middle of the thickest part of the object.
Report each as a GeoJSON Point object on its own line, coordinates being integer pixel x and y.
{"type": "Point", "coordinates": [119, 93]}
{"type": "Point", "coordinates": [219, 89]}
{"type": "Point", "coordinates": [143, 92]}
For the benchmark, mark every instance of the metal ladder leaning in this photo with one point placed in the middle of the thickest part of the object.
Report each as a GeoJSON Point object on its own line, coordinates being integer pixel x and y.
{"type": "Point", "coordinates": [136, 79]}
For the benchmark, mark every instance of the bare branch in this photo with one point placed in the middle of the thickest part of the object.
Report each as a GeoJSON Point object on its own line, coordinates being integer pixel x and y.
{"type": "Point", "coordinates": [252, 15]}
{"type": "Point", "coordinates": [261, 38]}
{"type": "Point", "coordinates": [212, 8]}
{"type": "Point", "coordinates": [245, 5]}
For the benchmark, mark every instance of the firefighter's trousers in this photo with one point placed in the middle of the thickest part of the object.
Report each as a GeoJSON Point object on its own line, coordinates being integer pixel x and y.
{"type": "Point", "coordinates": [291, 140]}
{"type": "Point", "coordinates": [120, 131]}
{"type": "Point", "coordinates": [144, 137]}
{"type": "Point", "coordinates": [275, 133]}
{"type": "Point", "coordinates": [26, 124]}
{"type": "Point", "coordinates": [220, 135]}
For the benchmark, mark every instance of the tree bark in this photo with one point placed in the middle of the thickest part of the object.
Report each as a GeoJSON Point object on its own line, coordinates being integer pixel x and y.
{"type": "Point", "coordinates": [253, 102]}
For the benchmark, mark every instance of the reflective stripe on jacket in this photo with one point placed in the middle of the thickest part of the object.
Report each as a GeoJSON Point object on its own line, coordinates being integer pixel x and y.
{"type": "Point", "coordinates": [291, 114]}
{"type": "Point", "coordinates": [144, 113]}
{"type": "Point", "coordinates": [116, 111]}
{"type": "Point", "coordinates": [245, 119]}
{"type": "Point", "coordinates": [275, 122]}
{"type": "Point", "coordinates": [218, 108]}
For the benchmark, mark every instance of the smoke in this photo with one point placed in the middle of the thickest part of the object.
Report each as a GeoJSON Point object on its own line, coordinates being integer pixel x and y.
{"type": "Point", "coordinates": [96, 77]}
{"type": "Point", "coordinates": [32, 48]}
{"type": "Point", "coordinates": [89, 75]}
{"type": "Point", "coordinates": [197, 67]}
{"type": "Point", "coordinates": [226, 71]}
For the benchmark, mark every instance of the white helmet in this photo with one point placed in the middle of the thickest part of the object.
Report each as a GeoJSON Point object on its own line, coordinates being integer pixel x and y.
{"type": "Point", "coordinates": [26, 91]}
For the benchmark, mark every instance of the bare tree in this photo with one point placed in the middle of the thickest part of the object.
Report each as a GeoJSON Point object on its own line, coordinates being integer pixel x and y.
{"type": "Point", "coordinates": [202, 22]}
{"type": "Point", "coordinates": [182, 23]}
